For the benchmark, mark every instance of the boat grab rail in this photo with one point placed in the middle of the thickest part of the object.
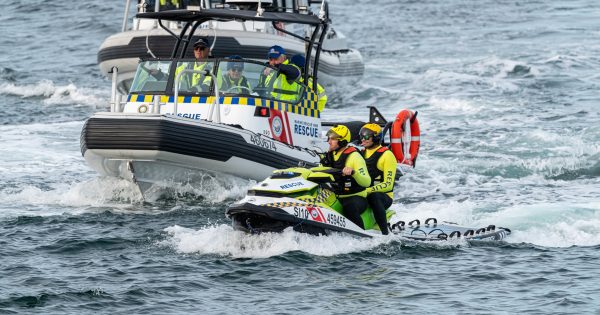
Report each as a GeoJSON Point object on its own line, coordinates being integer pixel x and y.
{"type": "Point", "coordinates": [214, 105]}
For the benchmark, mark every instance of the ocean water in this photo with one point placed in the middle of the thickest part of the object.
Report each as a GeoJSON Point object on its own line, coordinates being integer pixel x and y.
{"type": "Point", "coordinates": [507, 95]}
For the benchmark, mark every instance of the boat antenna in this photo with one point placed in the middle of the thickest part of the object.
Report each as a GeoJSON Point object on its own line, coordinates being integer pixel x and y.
{"type": "Point", "coordinates": [259, 9]}
{"type": "Point", "coordinates": [147, 44]}
{"type": "Point", "coordinates": [322, 11]}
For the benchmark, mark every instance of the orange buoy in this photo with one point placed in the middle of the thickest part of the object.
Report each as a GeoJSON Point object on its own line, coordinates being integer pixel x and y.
{"type": "Point", "coordinates": [406, 137]}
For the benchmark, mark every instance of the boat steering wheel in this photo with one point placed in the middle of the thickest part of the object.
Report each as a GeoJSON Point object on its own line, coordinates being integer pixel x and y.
{"type": "Point", "coordinates": [230, 90]}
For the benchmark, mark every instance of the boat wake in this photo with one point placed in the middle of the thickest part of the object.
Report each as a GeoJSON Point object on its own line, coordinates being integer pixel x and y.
{"type": "Point", "coordinates": [54, 94]}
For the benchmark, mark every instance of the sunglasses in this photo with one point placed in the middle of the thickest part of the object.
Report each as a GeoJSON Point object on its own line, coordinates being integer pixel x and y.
{"type": "Point", "coordinates": [200, 48]}
{"type": "Point", "coordinates": [366, 136]}
{"type": "Point", "coordinates": [236, 69]}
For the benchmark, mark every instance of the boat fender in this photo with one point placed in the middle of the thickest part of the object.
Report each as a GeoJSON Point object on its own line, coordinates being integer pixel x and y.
{"type": "Point", "coordinates": [457, 233]}
{"type": "Point", "coordinates": [418, 223]}
{"type": "Point", "coordinates": [469, 232]}
{"type": "Point", "coordinates": [431, 219]}
{"type": "Point", "coordinates": [482, 230]}
{"type": "Point", "coordinates": [491, 227]}
{"type": "Point", "coordinates": [406, 137]}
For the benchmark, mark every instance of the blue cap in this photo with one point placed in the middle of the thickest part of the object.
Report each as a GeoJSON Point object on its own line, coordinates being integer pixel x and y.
{"type": "Point", "coordinates": [298, 60]}
{"type": "Point", "coordinates": [235, 65]}
{"type": "Point", "coordinates": [275, 52]}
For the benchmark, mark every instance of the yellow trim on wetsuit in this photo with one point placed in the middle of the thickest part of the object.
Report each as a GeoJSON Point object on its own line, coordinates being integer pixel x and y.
{"type": "Point", "coordinates": [386, 164]}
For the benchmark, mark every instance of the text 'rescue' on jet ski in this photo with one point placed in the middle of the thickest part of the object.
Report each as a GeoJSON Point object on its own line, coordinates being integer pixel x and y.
{"type": "Point", "coordinates": [304, 200]}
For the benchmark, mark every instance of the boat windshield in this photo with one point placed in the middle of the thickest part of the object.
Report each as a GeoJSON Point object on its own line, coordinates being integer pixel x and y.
{"type": "Point", "coordinates": [151, 76]}
{"type": "Point", "coordinates": [192, 76]}
{"type": "Point", "coordinates": [235, 77]}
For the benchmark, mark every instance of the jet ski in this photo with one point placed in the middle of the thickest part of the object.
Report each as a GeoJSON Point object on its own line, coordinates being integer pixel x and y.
{"type": "Point", "coordinates": [303, 199]}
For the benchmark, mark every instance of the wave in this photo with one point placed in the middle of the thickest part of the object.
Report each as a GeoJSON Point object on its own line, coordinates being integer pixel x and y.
{"type": "Point", "coordinates": [57, 94]}
{"type": "Point", "coordinates": [222, 240]}
{"type": "Point", "coordinates": [211, 188]}
{"type": "Point", "coordinates": [552, 224]}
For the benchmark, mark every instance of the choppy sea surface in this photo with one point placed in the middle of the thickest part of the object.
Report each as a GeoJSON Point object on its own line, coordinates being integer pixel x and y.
{"type": "Point", "coordinates": [507, 94]}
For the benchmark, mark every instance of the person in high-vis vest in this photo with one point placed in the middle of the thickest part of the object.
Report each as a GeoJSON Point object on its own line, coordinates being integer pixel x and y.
{"type": "Point", "coordinates": [169, 4]}
{"type": "Point", "coordinates": [281, 83]}
{"type": "Point", "coordinates": [300, 62]}
{"type": "Point", "coordinates": [232, 81]}
{"type": "Point", "coordinates": [201, 53]}
{"type": "Point", "coordinates": [351, 186]}
{"type": "Point", "coordinates": [275, 57]}
{"type": "Point", "coordinates": [381, 164]}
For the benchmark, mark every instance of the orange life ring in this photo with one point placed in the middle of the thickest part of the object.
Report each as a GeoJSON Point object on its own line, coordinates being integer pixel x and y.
{"type": "Point", "coordinates": [405, 141]}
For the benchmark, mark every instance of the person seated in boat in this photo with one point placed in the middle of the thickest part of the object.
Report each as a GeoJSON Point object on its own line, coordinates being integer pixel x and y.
{"type": "Point", "coordinates": [281, 83]}
{"type": "Point", "coordinates": [196, 79]}
{"type": "Point", "coordinates": [164, 5]}
{"type": "Point", "coordinates": [381, 164]}
{"type": "Point", "coordinates": [300, 62]}
{"type": "Point", "coordinates": [232, 81]}
{"type": "Point", "coordinates": [351, 186]}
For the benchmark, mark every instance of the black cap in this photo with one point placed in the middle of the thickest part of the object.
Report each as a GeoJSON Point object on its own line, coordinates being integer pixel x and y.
{"type": "Point", "coordinates": [202, 42]}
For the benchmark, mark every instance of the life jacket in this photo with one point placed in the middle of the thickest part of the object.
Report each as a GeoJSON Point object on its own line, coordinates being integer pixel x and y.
{"type": "Point", "coordinates": [197, 66]}
{"type": "Point", "coordinates": [265, 80]}
{"type": "Point", "coordinates": [226, 84]}
{"type": "Point", "coordinates": [375, 173]}
{"type": "Point", "coordinates": [285, 91]}
{"type": "Point", "coordinates": [346, 185]}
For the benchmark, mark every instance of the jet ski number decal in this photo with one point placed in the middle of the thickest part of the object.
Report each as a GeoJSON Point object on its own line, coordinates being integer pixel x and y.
{"type": "Point", "coordinates": [315, 214]}
{"type": "Point", "coordinates": [336, 220]}
{"type": "Point", "coordinates": [262, 142]}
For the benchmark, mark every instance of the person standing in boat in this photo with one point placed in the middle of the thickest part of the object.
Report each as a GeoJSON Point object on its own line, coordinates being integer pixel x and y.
{"type": "Point", "coordinates": [355, 176]}
{"type": "Point", "coordinates": [381, 164]}
{"type": "Point", "coordinates": [300, 62]}
{"type": "Point", "coordinates": [275, 57]}
{"type": "Point", "coordinates": [201, 53]}
{"type": "Point", "coordinates": [281, 83]}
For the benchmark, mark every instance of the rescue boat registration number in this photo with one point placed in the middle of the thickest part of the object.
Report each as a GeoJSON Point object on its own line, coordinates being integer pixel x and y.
{"type": "Point", "coordinates": [262, 142]}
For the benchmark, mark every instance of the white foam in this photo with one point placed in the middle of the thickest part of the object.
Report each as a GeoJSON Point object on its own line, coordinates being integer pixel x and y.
{"type": "Point", "coordinates": [214, 188]}
{"type": "Point", "coordinates": [453, 105]}
{"type": "Point", "coordinates": [551, 225]}
{"type": "Point", "coordinates": [223, 240]}
{"type": "Point", "coordinates": [58, 95]}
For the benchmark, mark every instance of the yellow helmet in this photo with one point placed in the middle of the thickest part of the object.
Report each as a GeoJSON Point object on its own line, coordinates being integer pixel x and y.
{"type": "Point", "coordinates": [370, 130]}
{"type": "Point", "coordinates": [339, 132]}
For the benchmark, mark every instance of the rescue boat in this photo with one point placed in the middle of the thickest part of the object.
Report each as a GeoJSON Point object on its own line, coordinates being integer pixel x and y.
{"type": "Point", "coordinates": [168, 130]}
{"type": "Point", "coordinates": [249, 39]}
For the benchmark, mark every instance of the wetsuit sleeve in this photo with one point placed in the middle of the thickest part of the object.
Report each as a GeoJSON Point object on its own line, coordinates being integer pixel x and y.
{"type": "Point", "coordinates": [387, 164]}
{"type": "Point", "coordinates": [361, 174]}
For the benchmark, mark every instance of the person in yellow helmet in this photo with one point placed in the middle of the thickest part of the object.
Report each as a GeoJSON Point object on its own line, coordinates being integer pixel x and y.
{"type": "Point", "coordinates": [381, 164]}
{"type": "Point", "coordinates": [351, 187]}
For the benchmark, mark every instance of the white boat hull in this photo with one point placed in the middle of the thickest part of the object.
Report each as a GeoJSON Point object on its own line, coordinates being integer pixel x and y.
{"type": "Point", "coordinates": [162, 149]}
